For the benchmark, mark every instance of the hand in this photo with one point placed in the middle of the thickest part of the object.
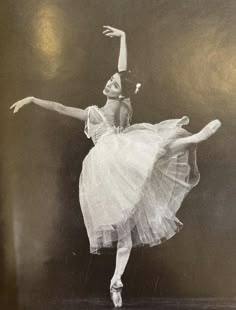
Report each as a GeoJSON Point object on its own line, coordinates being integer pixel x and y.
{"type": "Point", "coordinates": [19, 104]}
{"type": "Point", "coordinates": [113, 32]}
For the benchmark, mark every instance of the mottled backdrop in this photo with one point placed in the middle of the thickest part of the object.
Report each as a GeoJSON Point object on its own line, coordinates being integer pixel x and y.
{"type": "Point", "coordinates": [185, 53]}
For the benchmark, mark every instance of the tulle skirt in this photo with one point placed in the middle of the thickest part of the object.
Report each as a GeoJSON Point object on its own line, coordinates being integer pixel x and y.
{"type": "Point", "coordinates": [131, 183]}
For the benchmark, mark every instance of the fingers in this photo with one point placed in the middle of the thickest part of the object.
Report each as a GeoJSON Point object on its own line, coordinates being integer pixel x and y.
{"type": "Point", "coordinates": [112, 32]}
{"type": "Point", "coordinates": [16, 106]}
{"type": "Point", "coordinates": [107, 30]}
{"type": "Point", "coordinates": [109, 27]}
{"type": "Point", "coordinates": [109, 35]}
{"type": "Point", "coordinates": [16, 109]}
{"type": "Point", "coordinates": [12, 106]}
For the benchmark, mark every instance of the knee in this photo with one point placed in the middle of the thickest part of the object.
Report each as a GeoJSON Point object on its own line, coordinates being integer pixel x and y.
{"type": "Point", "coordinates": [124, 250]}
{"type": "Point", "coordinates": [125, 244]}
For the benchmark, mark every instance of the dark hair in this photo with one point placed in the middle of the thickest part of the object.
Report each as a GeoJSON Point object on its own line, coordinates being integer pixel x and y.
{"type": "Point", "coordinates": [128, 83]}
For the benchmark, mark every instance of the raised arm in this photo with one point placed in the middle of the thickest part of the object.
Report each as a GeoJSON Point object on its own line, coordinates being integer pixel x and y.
{"type": "Point", "coordinates": [113, 32]}
{"type": "Point", "coordinates": [53, 106]}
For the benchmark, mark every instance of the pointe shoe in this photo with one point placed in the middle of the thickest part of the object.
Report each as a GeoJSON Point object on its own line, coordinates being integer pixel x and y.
{"type": "Point", "coordinates": [208, 131]}
{"type": "Point", "coordinates": [115, 291]}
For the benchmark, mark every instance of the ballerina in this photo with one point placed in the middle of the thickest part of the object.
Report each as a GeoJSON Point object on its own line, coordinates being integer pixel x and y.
{"type": "Point", "coordinates": [135, 177]}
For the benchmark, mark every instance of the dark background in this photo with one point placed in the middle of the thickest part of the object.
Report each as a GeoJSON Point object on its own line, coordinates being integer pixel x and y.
{"type": "Point", "coordinates": [185, 54]}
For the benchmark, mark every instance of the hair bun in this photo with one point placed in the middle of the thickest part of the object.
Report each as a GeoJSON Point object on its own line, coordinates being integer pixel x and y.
{"type": "Point", "coordinates": [129, 83]}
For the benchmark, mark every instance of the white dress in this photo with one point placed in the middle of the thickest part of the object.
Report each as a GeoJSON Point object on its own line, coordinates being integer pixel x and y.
{"type": "Point", "coordinates": [130, 183]}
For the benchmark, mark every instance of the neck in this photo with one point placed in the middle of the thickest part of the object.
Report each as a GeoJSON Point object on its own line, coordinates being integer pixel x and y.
{"type": "Point", "coordinates": [112, 100]}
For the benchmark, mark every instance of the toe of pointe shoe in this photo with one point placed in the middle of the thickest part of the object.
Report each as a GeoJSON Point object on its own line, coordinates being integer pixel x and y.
{"type": "Point", "coordinates": [218, 123]}
{"type": "Point", "coordinates": [115, 291]}
{"type": "Point", "coordinates": [116, 299]}
{"type": "Point", "coordinates": [214, 125]}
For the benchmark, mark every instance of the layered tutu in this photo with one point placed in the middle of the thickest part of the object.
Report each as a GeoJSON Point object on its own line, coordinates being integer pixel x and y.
{"type": "Point", "coordinates": [131, 183]}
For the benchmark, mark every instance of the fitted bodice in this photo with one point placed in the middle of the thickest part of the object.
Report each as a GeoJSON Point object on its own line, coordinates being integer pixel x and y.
{"type": "Point", "coordinates": [100, 123]}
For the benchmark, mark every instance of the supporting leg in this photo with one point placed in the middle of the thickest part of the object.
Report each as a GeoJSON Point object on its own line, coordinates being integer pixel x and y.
{"type": "Point", "coordinates": [124, 247]}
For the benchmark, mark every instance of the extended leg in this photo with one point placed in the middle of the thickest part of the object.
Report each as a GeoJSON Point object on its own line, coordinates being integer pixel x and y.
{"type": "Point", "coordinates": [181, 143]}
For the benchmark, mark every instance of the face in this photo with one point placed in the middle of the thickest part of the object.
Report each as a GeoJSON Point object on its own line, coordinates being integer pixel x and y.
{"type": "Point", "coordinates": [113, 87]}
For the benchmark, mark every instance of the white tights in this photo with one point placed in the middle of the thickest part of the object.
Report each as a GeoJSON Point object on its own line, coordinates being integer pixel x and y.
{"type": "Point", "coordinates": [124, 247]}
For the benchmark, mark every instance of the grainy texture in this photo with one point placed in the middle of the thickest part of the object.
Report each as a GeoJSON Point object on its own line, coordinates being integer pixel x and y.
{"type": "Point", "coordinates": [52, 49]}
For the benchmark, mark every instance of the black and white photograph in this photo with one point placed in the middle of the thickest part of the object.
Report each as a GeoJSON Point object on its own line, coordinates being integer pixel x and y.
{"type": "Point", "coordinates": [118, 154]}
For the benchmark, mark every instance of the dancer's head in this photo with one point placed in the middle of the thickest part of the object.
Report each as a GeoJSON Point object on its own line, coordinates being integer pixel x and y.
{"type": "Point", "coordinates": [113, 87]}
{"type": "Point", "coordinates": [121, 85]}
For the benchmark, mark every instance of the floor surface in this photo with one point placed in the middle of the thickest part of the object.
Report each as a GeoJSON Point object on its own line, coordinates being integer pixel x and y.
{"type": "Point", "coordinates": [156, 303]}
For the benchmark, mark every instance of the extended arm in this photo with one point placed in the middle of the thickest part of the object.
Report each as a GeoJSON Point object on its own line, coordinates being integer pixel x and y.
{"type": "Point", "coordinates": [122, 62]}
{"type": "Point", "coordinates": [113, 32]}
{"type": "Point", "coordinates": [53, 106]}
